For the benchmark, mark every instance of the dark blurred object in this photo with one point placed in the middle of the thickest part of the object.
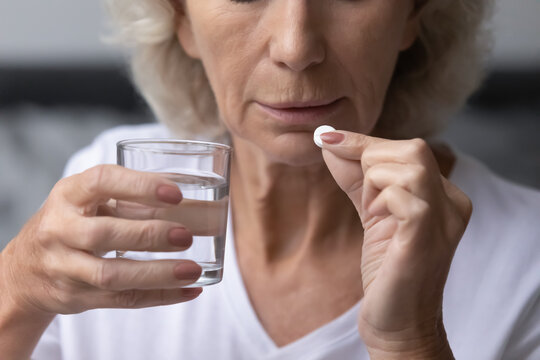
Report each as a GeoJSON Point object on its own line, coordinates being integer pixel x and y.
{"type": "Point", "coordinates": [92, 86]}
{"type": "Point", "coordinates": [509, 89]}
{"type": "Point", "coordinates": [504, 139]}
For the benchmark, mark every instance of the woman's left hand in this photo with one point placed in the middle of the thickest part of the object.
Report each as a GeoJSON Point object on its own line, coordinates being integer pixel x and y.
{"type": "Point", "coordinates": [413, 219]}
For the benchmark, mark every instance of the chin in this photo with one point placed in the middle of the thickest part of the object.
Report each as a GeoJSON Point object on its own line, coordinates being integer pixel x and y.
{"type": "Point", "coordinates": [297, 160]}
{"type": "Point", "coordinates": [295, 152]}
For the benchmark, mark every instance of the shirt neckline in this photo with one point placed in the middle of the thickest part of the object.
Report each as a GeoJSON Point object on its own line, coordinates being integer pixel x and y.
{"type": "Point", "coordinates": [345, 325]}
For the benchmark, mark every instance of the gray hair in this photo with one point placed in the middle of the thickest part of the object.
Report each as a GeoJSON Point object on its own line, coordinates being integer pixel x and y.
{"type": "Point", "coordinates": [432, 79]}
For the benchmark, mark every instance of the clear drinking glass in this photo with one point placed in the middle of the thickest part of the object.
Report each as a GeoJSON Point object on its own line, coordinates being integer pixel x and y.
{"type": "Point", "coordinates": [201, 171]}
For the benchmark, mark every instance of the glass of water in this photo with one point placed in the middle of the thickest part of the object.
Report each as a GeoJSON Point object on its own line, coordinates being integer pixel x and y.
{"type": "Point", "coordinates": [201, 171]}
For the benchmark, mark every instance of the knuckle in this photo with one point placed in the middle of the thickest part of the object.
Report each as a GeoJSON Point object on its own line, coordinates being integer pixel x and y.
{"type": "Point", "coordinates": [70, 297]}
{"type": "Point", "coordinates": [149, 235]}
{"type": "Point", "coordinates": [47, 233]}
{"type": "Point", "coordinates": [418, 175]}
{"type": "Point", "coordinates": [94, 178]}
{"type": "Point", "coordinates": [104, 276]}
{"type": "Point", "coordinates": [417, 147]}
{"type": "Point", "coordinates": [91, 236]}
{"type": "Point", "coordinates": [420, 208]}
{"type": "Point", "coordinates": [389, 192]}
{"type": "Point", "coordinates": [370, 174]}
{"type": "Point", "coordinates": [64, 295]}
{"type": "Point", "coordinates": [59, 187]}
{"type": "Point", "coordinates": [51, 266]}
{"type": "Point", "coordinates": [143, 184]}
{"type": "Point", "coordinates": [365, 159]}
{"type": "Point", "coordinates": [128, 298]}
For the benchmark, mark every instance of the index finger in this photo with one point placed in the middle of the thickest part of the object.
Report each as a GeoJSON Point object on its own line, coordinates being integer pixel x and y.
{"type": "Point", "coordinates": [347, 144]}
{"type": "Point", "coordinates": [97, 185]}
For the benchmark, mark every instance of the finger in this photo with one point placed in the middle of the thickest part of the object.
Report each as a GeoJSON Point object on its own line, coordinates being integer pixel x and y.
{"type": "Point", "coordinates": [348, 145]}
{"type": "Point", "coordinates": [99, 184]}
{"type": "Point", "coordinates": [412, 215]}
{"type": "Point", "coordinates": [396, 201]}
{"type": "Point", "coordinates": [201, 217]}
{"type": "Point", "coordinates": [411, 177]}
{"type": "Point", "coordinates": [103, 234]}
{"type": "Point", "coordinates": [83, 298]}
{"type": "Point", "coordinates": [409, 152]}
{"type": "Point", "coordinates": [347, 174]}
{"type": "Point", "coordinates": [136, 299]}
{"type": "Point", "coordinates": [125, 274]}
{"type": "Point", "coordinates": [372, 150]}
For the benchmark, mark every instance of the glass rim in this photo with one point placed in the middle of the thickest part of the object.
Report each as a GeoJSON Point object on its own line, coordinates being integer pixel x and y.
{"type": "Point", "coordinates": [135, 144]}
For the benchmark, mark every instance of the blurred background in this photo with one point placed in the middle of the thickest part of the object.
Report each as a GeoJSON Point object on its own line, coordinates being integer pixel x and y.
{"type": "Point", "coordinates": [60, 86]}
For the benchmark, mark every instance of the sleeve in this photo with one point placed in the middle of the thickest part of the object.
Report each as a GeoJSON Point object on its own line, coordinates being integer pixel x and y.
{"type": "Point", "coordinates": [48, 347]}
{"type": "Point", "coordinates": [524, 343]}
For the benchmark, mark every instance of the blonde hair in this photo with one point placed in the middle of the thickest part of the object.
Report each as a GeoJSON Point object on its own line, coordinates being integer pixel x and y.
{"type": "Point", "coordinates": [432, 79]}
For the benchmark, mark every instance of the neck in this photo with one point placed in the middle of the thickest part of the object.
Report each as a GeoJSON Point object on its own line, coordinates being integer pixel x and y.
{"type": "Point", "coordinates": [295, 213]}
{"type": "Point", "coordinates": [288, 212]}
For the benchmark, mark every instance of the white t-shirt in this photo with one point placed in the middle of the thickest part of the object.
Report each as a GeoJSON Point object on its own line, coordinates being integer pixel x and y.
{"type": "Point", "coordinates": [491, 299]}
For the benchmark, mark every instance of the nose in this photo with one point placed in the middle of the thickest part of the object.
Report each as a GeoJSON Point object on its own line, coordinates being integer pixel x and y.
{"type": "Point", "coordinates": [296, 42]}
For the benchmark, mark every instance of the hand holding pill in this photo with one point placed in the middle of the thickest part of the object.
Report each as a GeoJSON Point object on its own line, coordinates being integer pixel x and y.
{"type": "Point", "coordinates": [413, 219]}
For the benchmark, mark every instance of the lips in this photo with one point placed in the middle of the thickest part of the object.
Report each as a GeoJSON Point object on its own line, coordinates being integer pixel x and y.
{"type": "Point", "coordinates": [304, 112]}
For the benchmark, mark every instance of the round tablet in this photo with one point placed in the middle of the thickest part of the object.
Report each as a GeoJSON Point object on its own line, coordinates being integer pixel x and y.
{"type": "Point", "coordinates": [321, 130]}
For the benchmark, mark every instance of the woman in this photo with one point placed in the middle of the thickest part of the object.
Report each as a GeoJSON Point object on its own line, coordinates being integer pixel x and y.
{"type": "Point", "coordinates": [339, 254]}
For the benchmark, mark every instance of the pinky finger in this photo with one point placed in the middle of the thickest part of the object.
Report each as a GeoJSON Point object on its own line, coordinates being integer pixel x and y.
{"type": "Point", "coordinates": [136, 299]}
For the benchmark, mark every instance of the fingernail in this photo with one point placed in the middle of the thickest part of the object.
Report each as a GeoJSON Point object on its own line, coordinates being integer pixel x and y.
{"type": "Point", "coordinates": [187, 271]}
{"type": "Point", "coordinates": [332, 138]}
{"type": "Point", "coordinates": [169, 194]}
{"type": "Point", "coordinates": [180, 237]}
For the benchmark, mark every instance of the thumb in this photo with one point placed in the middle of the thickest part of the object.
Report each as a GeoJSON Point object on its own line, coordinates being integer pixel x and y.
{"type": "Point", "coordinates": [347, 144]}
{"type": "Point", "coordinates": [342, 152]}
{"type": "Point", "coordinates": [347, 174]}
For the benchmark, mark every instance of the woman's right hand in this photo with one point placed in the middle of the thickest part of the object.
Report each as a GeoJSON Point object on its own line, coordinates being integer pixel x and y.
{"type": "Point", "coordinates": [53, 265]}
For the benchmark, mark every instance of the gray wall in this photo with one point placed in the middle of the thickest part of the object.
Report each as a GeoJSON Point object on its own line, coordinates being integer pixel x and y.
{"type": "Point", "coordinates": [517, 33]}
{"type": "Point", "coordinates": [69, 31]}
{"type": "Point", "coordinates": [53, 31]}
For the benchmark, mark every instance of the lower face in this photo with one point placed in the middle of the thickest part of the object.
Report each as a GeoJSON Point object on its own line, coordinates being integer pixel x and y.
{"type": "Point", "coordinates": [281, 68]}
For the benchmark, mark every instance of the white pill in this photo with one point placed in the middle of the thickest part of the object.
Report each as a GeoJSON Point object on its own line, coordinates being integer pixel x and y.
{"type": "Point", "coordinates": [321, 130]}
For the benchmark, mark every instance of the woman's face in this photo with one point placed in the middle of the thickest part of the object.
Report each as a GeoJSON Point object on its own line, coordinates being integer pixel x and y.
{"type": "Point", "coordinates": [281, 68]}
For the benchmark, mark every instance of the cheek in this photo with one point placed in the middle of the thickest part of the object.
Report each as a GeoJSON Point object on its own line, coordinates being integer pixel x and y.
{"type": "Point", "coordinates": [222, 41]}
{"type": "Point", "coordinates": [368, 57]}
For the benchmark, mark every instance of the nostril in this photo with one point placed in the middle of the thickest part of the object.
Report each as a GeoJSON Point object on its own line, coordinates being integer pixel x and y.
{"type": "Point", "coordinates": [298, 56]}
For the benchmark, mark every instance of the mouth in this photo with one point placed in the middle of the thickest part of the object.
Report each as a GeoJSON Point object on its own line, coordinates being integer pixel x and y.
{"type": "Point", "coordinates": [304, 112]}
